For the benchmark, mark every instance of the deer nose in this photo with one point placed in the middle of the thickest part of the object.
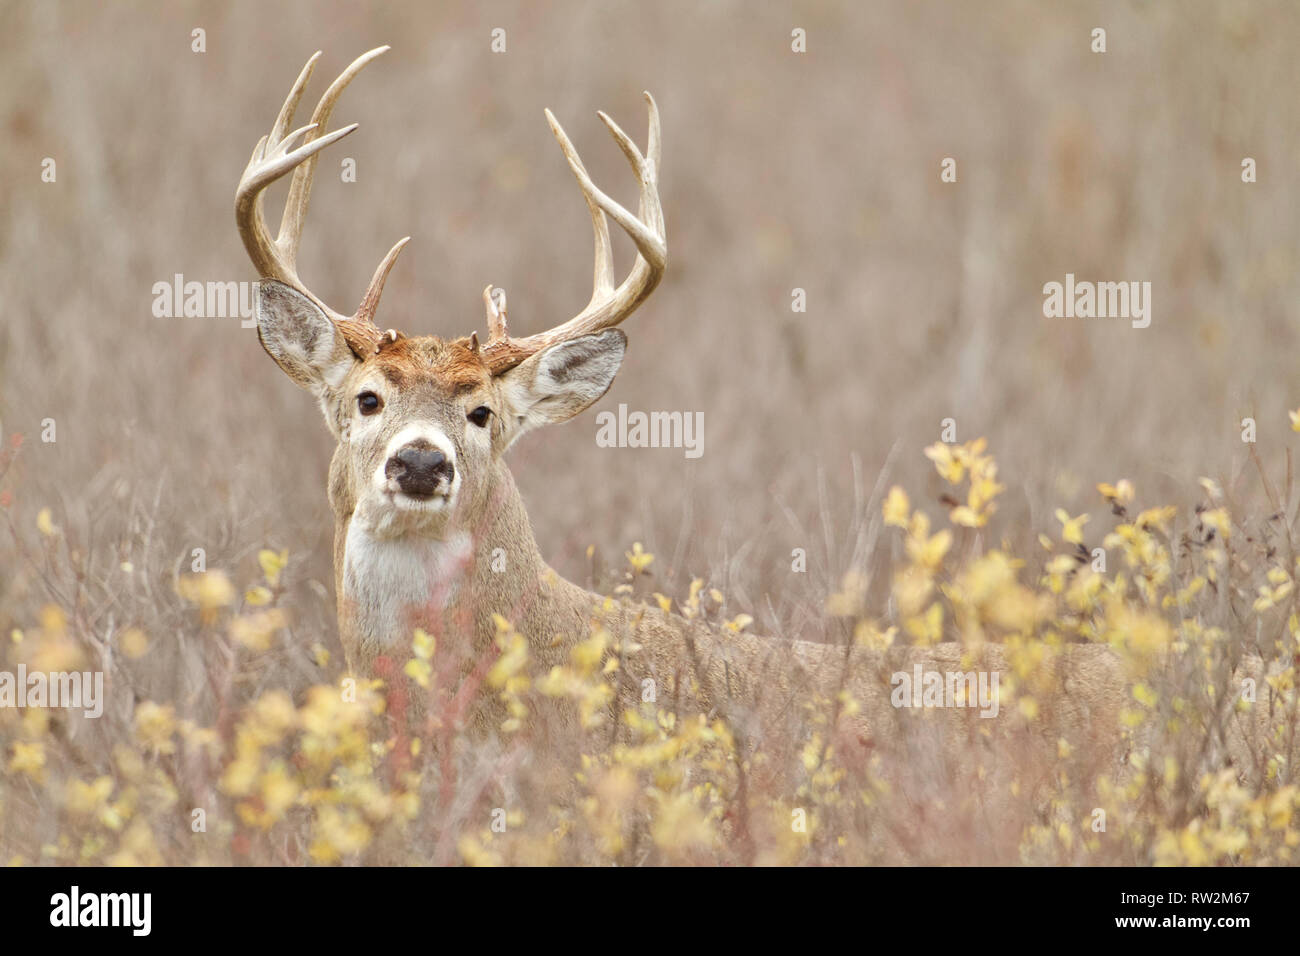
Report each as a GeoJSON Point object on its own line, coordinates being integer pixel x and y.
{"type": "Point", "coordinates": [418, 469]}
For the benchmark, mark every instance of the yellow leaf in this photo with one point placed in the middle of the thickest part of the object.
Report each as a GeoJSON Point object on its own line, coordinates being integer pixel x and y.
{"type": "Point", "coordinates": [929, 552]}
{"type": "Point", "coordinates": [867, 634]}
{"type": "Point", "coordinates": [134, 643]}
{"type": "Point", "coordinates": [949, 465]}
{"type": "Point", "coordinates": [1156, 518]}
{"type": "Point", "coordinates": [967, 517]}
{"type": "Point", "coordinates": [897, 507]}
{"type": "Point", "coordinates": [254, 631]}
{"type": "Point", "coordinates": [258, 596]}
{"type": "Point", "coordinates": [1121, 491]}
{"type": "Point", "coordinates": [638, 557]}
{"type": "Point", "coordinates": [1212, 488]}
{"type": "Point", "coordinates": [418, 670]}
{"type": "Point", "coordinates": [272, 564]}
{"type": "Point", "coordinates": [209, 589]}
{"type": "Point", "coordinates": [1218, 519]}
{"type": "Point", "coordinates": [1072, 528]}
{"type": "Point", "coordinates": [739, 623]}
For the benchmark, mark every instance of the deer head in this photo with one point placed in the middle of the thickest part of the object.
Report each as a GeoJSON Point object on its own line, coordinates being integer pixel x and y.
{"type": "Point", "coordinates": [422, 422]}
{"type": "Point", "coordinates": [422, 418]}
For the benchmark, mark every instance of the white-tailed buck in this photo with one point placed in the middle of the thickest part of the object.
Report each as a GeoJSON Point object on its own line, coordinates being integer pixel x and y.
{"type": "Point", "coordinates": [430, 529]}
{"type": "Point", "coordinates": [431, 532]}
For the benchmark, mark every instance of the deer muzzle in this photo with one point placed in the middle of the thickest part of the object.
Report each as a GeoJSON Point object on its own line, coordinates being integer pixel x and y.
{"type": "Point", "coordinates": [420, 470]}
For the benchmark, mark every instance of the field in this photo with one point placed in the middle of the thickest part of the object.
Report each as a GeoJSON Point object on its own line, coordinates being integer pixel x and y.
{"type": "Point", "coordinates": [830, 304]}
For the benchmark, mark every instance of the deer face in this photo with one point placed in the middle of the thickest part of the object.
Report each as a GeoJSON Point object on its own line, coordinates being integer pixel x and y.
{"type": "Point", "coordinates": [421, 423]}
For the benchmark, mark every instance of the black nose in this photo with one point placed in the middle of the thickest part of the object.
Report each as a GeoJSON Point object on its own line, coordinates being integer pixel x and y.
{"type": "Point", "coordinates": [418, 468]}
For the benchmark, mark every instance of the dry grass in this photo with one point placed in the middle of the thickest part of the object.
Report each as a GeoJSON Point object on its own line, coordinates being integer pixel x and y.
{"type": "Point", "coordinates": [817, 171]}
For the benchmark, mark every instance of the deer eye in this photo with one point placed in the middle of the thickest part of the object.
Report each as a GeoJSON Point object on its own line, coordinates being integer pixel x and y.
{"type": "Point", "coordinates": [368, 403]}
{"type": "Point", "coordinates": [480, 416]}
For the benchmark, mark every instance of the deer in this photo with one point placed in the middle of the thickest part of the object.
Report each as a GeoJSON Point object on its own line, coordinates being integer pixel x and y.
{"type": "Point", "coordinates": [421, 495]}
{"type": "Point", "coordinates": [431, 530]}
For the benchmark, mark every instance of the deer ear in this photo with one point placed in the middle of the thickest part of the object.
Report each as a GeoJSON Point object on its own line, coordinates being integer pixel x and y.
{"type": "Point", "coordinates": [301, 338]}
{"type": "Point", "coordinates": [561, 381]}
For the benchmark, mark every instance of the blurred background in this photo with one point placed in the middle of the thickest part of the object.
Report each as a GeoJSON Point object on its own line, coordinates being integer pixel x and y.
{"type": "Point", "coordinates": [818, 171]}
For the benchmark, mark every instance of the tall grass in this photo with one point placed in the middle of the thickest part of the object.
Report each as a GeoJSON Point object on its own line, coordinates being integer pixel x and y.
{"type": "Point", "coordinates": [817, 171]}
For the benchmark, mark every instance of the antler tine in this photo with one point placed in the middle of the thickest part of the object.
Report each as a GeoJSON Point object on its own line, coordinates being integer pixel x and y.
{"type": "Point", "coordinates": [496, 316]}
{"type": "Point", "coordinates": [266, 253]}
{"type": "Point", "coordinates": [603, 279]}
{"type": "Point", "coordinates": [272, 158]}
{"type": "Point", "coordinates": [608, 306]}
{"type": "Point", "coordinates": [295, 207]}
{"type": "Point", "coordinates": [370, 302]}
{"type": "Point", "coordinates": [648, 238]}
{"type": "Point", "coordinates": [287, 143]}
{"type": "Point", "coordinates": [654, 150]}
{"type": "Point", "coordinates": [654, 137]}
{"type": "Point", "coordinates": [291, 101]}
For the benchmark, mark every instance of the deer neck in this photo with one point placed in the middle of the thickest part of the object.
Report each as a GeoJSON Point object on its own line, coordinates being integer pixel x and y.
{"type": "Point", "coordinates": [453, 585]}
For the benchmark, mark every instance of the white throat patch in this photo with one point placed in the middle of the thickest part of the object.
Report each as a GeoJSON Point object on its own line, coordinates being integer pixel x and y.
{"type": "Point", "coordinates": [391, 582]}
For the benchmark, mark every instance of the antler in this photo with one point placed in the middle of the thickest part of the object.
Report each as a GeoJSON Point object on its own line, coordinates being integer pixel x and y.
{"type": "Point", "coordinates": [609, 305]}
{"type": "Point", "coordinates": [278, 258]}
